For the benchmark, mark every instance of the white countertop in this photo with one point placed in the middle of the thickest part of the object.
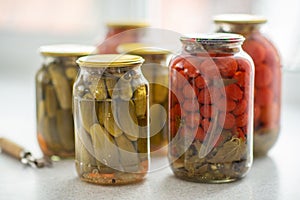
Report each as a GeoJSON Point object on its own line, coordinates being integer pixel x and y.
{"type": "Point", "coordinates": [273, 177]}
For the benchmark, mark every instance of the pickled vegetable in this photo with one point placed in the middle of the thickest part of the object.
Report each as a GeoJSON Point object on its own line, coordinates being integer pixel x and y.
{"type": "Point", "coordinates": [267, 93]}
{"type": "Point", "coordinates": [210, 116]}
{"type": "Point", "coordinates": [120, 32]}
{"type": "Point", "coordinates": [113, 126]}
{"type": "Point", "coordinates": [54, 99]}
{"type": "Point", "coordinates": [159, 96]}
{"type": "Point", "coordinates": [267, 96]}
{"type": "Point", "coordinates": [156, 73]}
{"type": "Point", "coordinates": [114, 143]}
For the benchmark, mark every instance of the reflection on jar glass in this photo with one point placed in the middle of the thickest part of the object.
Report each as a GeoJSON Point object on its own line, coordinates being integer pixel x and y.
{"type": "Point", "coordinates": [54, 82]}
{"type": "Point", "coordinates": [267, 92]}
{"type": "Point", "coordinates": [119, 33]}
{"type": "Point", "coordinates": [111, 115]}
{"type": "Point", "coordinates": [156, 72]}
{"type": "Point", "coordinates": [211, 109]}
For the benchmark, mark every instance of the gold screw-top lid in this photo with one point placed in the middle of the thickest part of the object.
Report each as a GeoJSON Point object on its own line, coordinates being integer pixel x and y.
{"type": "Point", "coordinates": [109, 60]}
{"type": "Point", "coordinates": [213, 38]}
{"type": "Point", "coordinates": [127, 24]}
{"type": "Point", "coordinates": [141, 49]}
{"type": "Point", "coordinates": [239, 19]}
{"type": "Point", "coordinates": [60, 50]}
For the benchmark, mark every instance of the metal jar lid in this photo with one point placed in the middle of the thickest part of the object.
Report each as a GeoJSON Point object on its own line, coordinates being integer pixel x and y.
{"type": "Point", "coordinates": [239, 19]}
{"type": "Point", "coordinates": [213, 38]}
{"type": "Point", "coordinates": [109, 60]}
{"type": "Point", "coordinates": [141, 49]}
{"type": "Point", "coordinates": [127, 24]}
{"type": "Point", "coordinates": [60, 50]}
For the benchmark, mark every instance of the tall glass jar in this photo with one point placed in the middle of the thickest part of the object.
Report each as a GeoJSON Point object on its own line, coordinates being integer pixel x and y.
{"type": "Point", "coordinates": [111, 119]}
{"type": "Point", "coordinates": [156, 72]}
{"type": "Point", "coordinates": [54, 82]}
{"type": "Point", "coordinates": [267, 92]}
{"type": "Point", "coordinates": [119, 33]}
{"type": "Point", "coordinates": [211, 106]}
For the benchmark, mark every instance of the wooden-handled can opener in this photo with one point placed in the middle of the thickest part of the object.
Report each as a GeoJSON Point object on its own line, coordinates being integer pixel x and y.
{"type": "Point", "coordinates": [11, 148]}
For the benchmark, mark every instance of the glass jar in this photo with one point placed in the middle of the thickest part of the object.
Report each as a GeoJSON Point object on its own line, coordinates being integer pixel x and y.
{"type": "Point", "coordinates": [267, 92]}
{"type": "Point", "coordinates": [119, 33]}
{"type": "Point", "coordinates": [211, 106]}
{"type": "Point", "coordinates": [156, 72]}
{"type": "Point", "coordinates": [54, 82]}
{"type": "Point", "coordinates": [111, 119]}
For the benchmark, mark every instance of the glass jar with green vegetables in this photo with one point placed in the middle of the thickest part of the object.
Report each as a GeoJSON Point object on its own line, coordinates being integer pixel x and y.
{"type": "Point", "coordinates": [110, 101]}
{"type": "Point", "coordinates": [156, 72]}
{"type": "Point", "coordinates": [54, 82]}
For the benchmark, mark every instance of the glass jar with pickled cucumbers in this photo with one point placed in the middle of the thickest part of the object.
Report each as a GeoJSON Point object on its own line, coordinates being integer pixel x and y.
{"type": "Point", "coordinates": [110, 102]}
{"type": "Point", "coordinates": [54, 82]}
{"type": "Point", "coordinates": [156, 72]}
{"type": "Point", "coordinates": [267, 92]}
{"type": "Point", "coordinates": [211, 106]}
{"type": "Point", "coordinates": [119, 33]}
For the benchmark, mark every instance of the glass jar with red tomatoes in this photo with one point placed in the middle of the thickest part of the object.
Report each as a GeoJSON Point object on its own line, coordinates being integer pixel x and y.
{"type": "Point", "coordinates": [119, 33]}
{"type": "Point", "coordinates": [267, 92]}
{"type": "Point", "coordinates": [210, 109]}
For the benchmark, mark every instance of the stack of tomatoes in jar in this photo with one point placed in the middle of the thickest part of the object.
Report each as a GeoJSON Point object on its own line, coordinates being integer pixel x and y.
{"type": "Point", "coordinates": [267, 92]}
{"type": "Point", "coordinates": [211, 109]}
{"type": "Point", "coordinates": [234, 72]}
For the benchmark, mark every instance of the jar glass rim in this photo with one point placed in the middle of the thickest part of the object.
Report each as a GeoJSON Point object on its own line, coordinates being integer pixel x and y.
{"type": "Point", "coordinates": [213, 38]}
